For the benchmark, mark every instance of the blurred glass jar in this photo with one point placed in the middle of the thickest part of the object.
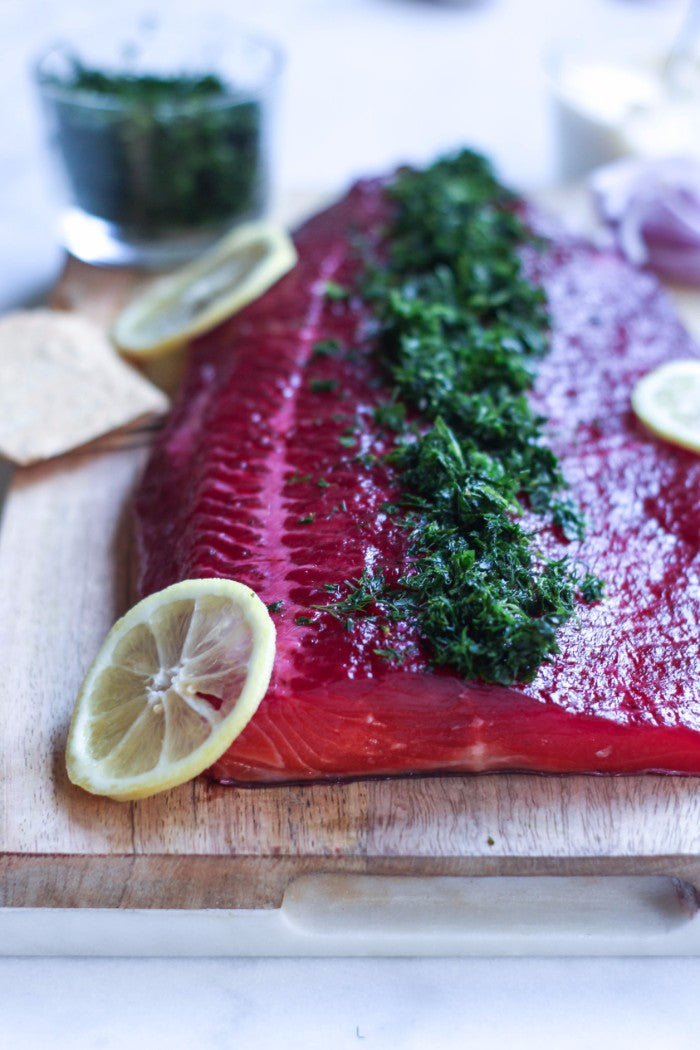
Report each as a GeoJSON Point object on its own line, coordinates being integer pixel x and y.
{"type": "Point", "coordinates": [620, 98]}
{"type": "Point", "coordinates": [161, 135]}
{"type": "Point", "coordinates": [596, 89]}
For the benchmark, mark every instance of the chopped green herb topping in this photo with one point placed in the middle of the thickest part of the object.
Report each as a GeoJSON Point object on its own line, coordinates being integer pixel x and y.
{"type": "Point", "coordinates": [320, 386]}
{"type": "Point", "coordinates": [393, 655]}
{"type": "Point", "coordinates": [336, 291]}
{"type": "Point", "coordinates": [392, 415]}
{"type": "Point", "coordinates": [460, 331]}
{"type": "Point", "coordinates": [361, 593]}
{"type": "Point", "coordinates": [306, 520]}
{"type": "Point", "coordinates": [592, 588]}
{"type": "Point", "coordinates": [326, 348]}
{"type": "Point", "coordinates": [275, 607]}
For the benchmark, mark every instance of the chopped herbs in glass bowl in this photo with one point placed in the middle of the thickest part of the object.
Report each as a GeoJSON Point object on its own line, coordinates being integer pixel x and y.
{"type": "Point", "coordinates": [162, 138]}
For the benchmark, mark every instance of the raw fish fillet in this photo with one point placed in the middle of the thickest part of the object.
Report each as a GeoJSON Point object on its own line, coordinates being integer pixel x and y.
{"type": "Point", "coordinates": [232, 489]}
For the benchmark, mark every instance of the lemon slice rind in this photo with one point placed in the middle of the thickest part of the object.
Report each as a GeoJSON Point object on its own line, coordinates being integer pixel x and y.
{"type": "Point", "coordinates": [90, 751]}
{"type": "Point", "coordinates": [667, 402]}
{"type": "Point", "coordinates": [189, 302]}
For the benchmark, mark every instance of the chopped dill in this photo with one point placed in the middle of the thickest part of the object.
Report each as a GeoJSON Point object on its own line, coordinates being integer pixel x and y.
{"type": "Point", "coordinates": [321, 386]}
{"type": "Point", "coordinates": [335, 291]}
{"type": "Point", "coordinates": [326, 348]}
{"type": "Point", "coordinates": [460, 331]}
{"type": "Point", "coordinates": [392, 655]}
{"type": "Point", "coordinates": [362, 591]}
{"type": "Point", "coordinates": [592, 588]}
{"type": "Point", "coordinates": [391, 415]}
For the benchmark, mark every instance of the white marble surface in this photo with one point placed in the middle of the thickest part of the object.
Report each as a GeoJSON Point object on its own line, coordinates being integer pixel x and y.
{"type": "Point", "coordinates": [361, 1004]}
{"type": "Point", "coordinates": [368, 83]}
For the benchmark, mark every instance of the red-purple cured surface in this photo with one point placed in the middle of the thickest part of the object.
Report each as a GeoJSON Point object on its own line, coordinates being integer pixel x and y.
{"type": "Point", "coordinates": [236, 472]}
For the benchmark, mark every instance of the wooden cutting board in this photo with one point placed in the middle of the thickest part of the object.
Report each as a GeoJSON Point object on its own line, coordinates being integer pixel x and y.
{"type": "Point", "coordinates": [64, 578]}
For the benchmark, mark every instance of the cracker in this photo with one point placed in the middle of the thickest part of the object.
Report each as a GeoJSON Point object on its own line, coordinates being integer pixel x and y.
{"type": "Point", "coordinates": [63, 385]}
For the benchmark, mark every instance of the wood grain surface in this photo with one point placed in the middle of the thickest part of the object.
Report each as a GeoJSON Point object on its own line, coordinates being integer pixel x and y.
{"type": "Point", "coordinates": [64, 578]}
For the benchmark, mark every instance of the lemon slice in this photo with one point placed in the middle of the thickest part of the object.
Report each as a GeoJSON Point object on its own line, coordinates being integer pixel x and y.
{"type": "Point", "coordinates": [667, 401]}
{"type": "Point", "coordinates": [190, 301]}
{"type": "Point", "coordinates": [174, 683]}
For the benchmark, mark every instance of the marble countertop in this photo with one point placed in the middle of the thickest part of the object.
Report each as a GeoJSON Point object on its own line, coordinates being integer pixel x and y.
{"type": "Point", "coordinates": [356, 1004]}
{"type": "Point", "coordinates": [368, 84]}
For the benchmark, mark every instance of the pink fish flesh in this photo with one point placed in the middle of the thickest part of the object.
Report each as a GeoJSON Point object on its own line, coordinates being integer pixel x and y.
{"type": "Point", "coordinates": [232, 490]}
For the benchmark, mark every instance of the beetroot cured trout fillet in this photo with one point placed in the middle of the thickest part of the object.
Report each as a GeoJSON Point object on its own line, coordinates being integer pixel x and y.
{"type": "Point", "coordinates": [256, 478]}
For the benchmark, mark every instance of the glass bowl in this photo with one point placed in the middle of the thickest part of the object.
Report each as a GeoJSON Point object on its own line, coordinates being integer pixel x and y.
{"type": "Point", "coordinates": [160, 134]}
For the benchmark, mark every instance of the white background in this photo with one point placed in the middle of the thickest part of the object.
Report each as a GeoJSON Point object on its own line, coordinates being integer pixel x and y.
{"type": "Point", "coordinates": [368, 83]}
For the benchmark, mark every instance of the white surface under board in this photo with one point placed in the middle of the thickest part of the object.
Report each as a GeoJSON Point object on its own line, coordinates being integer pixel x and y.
{"type": "Point", "coordinates": [350, 1004]}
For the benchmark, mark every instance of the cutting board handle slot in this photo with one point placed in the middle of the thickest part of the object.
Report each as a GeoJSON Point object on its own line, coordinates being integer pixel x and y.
{"type": "Point", "coordinates": [367, 915]}
{"type": "Point", "coordinates": [562, 912]}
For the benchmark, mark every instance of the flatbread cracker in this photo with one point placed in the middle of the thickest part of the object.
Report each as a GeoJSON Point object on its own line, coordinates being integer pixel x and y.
{"type": "Point", "coordinates": [63, 385]}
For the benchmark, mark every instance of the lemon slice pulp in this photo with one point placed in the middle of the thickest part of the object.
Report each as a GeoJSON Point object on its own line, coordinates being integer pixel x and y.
{"type": "Point", "coordinates": [667, 401]}
{"type": "Point", "coordinates": [195, 298]}
{"type": "Point", "coordinates": [174, 683]}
